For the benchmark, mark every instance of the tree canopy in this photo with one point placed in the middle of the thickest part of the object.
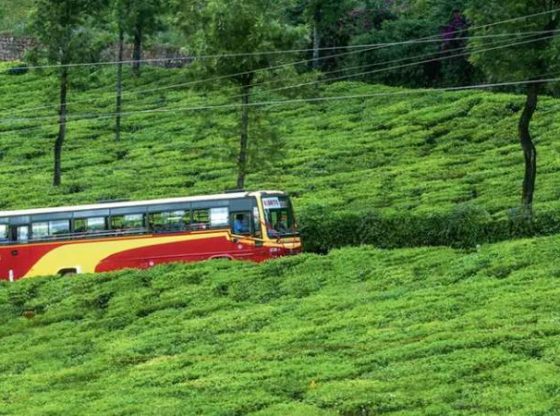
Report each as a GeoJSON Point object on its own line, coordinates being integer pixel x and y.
{"type": "Point", "coordinates": [245, 40]}
{"type": "Point", "coordinates": [527, 58]}
{"type": "Point", "coordinates": [65, 33]}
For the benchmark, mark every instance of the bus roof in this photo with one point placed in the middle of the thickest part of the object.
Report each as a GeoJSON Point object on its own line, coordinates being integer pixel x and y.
{"type": "Point", "coordinates": [198, 198]}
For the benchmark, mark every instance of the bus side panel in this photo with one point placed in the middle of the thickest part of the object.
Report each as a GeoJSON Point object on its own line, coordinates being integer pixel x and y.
{"type": "Point", "coordinates": [185, 251]}
{"type": "Point", "coordinates": [6, 263]}
{"type": "Point", "coordinates": [17, 260]}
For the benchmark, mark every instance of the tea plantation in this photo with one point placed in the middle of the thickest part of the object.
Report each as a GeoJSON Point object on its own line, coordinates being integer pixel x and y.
{"type": "Point", "coordinates": [424, 167]}
{"type": "Point", "coordinates": [361, 331]}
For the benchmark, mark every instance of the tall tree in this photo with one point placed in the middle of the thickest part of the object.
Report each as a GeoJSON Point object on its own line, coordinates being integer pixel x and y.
{"type": "Point", "coordinates": [251, 30]}
{"type": "Point", "coordinates": [444, 62]}
{"type": "Point", "coordinates": [137, 19]}
{"type": "Point", "coordinates": [119, 12]}
{"type": "Point", "coordinates": [63, 30]}
{"type": "Point", "coordinates": [529, 61]}
{"type": "Point", "coordinates": [142, 18]}
{"type": "Point", "coordinates": [330, 25]}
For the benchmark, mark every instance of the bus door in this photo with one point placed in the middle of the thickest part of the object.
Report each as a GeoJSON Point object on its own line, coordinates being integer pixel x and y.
{"type": "Point", "coordinates": [244, 219]}
{"type": "Point", "coordinates": [5, 256]}
{"type": "Point", "coordinates": [16, 256]}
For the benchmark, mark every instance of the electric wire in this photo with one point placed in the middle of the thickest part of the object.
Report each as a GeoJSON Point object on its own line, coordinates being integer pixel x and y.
{"type": "Point", "coordinates": [302, 101]}
{"type": "Point", "coordinates": [89, 116]}
{"type": "Point", "coordinates": [428, 38]}
{"type": "Point", "coordinates": [514, 19]}
{"type": "Point", "coordinates": [173, 86]}
{"type": "Point", "coordinates": [492, 24]}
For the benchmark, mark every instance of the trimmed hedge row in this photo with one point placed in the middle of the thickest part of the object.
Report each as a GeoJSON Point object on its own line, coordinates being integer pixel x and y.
{"type": "Point", "coordinates": [464, 227]}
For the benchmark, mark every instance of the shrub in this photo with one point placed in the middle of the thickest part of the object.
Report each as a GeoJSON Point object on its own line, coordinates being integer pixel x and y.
{"type": "Point", "coordinates": [19, 69]}
{"type": "Point", "coordinates": [465, 226]}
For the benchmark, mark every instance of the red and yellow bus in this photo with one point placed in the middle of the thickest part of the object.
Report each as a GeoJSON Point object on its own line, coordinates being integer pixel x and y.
{"type": "Point", "coordinates": [115, 235]}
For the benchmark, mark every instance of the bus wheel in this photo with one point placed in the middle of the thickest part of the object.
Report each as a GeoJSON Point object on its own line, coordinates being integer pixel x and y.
{"type": "Point", "coordinates": [67, 272]}
{"type": "Point", "coordinates": [221, 258]}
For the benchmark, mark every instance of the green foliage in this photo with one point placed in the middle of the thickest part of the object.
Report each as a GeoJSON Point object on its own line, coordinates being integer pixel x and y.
{"type": "Point", "coordinates": [527, 60]}
{"type": "Point", "coordinates": [143, 14]}
{"type": "Point", "coordinates": [378, 165]}
{"type": "Point", "coordinates": [359, 331]}
{"type": "Point", "coordinates": [250, 27]}
{"type": "Point", "coordinates": [465, 226]}
{"type": "Point", "coordinates": [442, 62]}
{"type": "Point", "coordinates": [64, 29]}
{"type": "Point", "coordinates": [333, 23]}
{"type": "Point", "coordinates": [13, 16]}
{"type": "Point", "coordinates": [397, 31]}
{"type": "Point", "coordinates": [252, 32]}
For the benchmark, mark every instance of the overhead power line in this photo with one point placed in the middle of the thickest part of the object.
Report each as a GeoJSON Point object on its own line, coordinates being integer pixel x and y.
{"type": "Point", "coordinates": [110, 95]}
{"type": "Point", "coordinates": [514, 19]}
{"type": "Point", "coordinates": [195, 57]}
{"type": "Point", "coordinates": [353, 75]}
{"type": "Point", "coordinates": [283, 88]}
{"type": "Point", "coordinates": [435, 57]}
{"type": "Point", "coordinates": [436, 36]}
{"type": "Point", "coordinates": [297, 101]}
{"type": "Point", "coordinates": [440, 58]}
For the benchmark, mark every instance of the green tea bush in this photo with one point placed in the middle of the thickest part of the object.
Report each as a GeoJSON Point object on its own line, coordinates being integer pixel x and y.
{"type": "Point", "coordinates": [360, 331]}
{"type": "Point", "coordinates": [466, 226]}
{"type": "Point", "coordinates": [18, 69]}
{"type": "Point", "coordinates": [428, 168]}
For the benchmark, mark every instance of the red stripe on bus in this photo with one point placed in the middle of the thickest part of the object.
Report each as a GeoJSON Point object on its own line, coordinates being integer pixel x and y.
{"type": "Point", "coordinates": [184, 251]}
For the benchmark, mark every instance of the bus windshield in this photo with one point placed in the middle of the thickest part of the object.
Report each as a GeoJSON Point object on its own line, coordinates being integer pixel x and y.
{"type": "Point", "coordinates": [279, 216]}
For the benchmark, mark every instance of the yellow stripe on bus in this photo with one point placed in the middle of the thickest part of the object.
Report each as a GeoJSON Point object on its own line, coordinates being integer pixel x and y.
{"type": "Point", "coordinates": [84, 257]}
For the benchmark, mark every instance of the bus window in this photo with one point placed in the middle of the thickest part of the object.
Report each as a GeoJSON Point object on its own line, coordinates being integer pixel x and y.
{"type": "Point", "coordinates": [127, 222]}
{"type": "Point", "coordinates": [90, 225]}
{"type": "Point", "coordinates": [279, 216]}
{"type": "Point", "coordinates": [42, 230]}
{"type": "Point", "coordinates": [200, 219]}
{"type": "Point", "coordinates": [167, 221]}
{"type": "Point", "coordinates": [39, 230]}
{"type": "Point", "coordinates": [219, 217]}
{"type": "Point", "coordinates": [22, 233]}
{"type": "Point", "coordinates": [59, 227]}
{"type": "Point", "coordinates": [241, 222]}
{"type": "Point", "coordinates": [4, 232]}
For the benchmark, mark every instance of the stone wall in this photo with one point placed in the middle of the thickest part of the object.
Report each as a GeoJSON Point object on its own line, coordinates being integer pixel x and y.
{"type": "Point", "coordinates": [158, 55]}
{"type": "Point", "coordinates": [14, 48]}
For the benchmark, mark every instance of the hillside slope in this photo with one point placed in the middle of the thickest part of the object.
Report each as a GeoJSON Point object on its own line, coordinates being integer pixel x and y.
{"type": "Point", "coordinates": [400, 155]}
{"type": "Point", "coordinates": [361, 331]}
{"type": "Point", "coordinates": [411, 150]}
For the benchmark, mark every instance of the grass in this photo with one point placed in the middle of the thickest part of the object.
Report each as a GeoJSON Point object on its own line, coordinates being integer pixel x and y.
{"type": "Point", "coordinates": [361, 331]}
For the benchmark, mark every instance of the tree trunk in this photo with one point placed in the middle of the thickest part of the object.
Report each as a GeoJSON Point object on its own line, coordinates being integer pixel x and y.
{"type": "Point", "coordinates": [61, 126]}
{"type": "Point", "coordinates": [137, 51]}
{"type": "Point", "coordinates": [316, 39]}
{"type": "Point", "coordinates": [244, 137]}
{"type": "Point", "coordinates": [529, 150]}
{"type": "Point", "coordinates": [119, 85]}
